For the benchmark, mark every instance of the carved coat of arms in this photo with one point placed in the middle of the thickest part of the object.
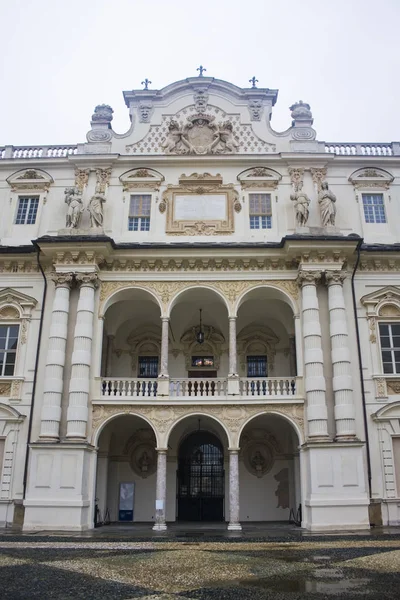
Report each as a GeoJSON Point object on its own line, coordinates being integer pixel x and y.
{"type": "Point", "coordinates": [200, 135]}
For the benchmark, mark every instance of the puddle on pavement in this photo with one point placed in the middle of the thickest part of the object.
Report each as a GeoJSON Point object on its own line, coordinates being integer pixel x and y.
{"type": "Point", "coordinates": [321, 586]}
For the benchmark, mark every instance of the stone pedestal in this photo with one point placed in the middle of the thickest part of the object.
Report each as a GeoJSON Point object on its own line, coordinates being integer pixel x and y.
{"type": "Point", "coordinates": [336, 497]}
{"type": "Point", "coordinates": [60, 490]}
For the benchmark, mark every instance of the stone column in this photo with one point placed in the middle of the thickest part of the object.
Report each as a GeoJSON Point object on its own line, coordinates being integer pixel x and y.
{"type": "Point", "coordinates": [234, 523]}
{"type": "Point", "coordinates": [54, 371]}
{"type": "Point", "coordinates": [314, 380]}
{"type": "Point", "coordinates": [292, 356]}
{"type": "Point", "coordinates": [232, 348]}
{"type": "Point", "coordinates": [164, 346]}
{"type": "Point", "coordinates": [79, 386]}
{"type": "Point", "coordinates": [110, 348]}
{"type": "Point", "coordinates": [161, 491]}
{"type": "Point", "coordinates": [341, 361]}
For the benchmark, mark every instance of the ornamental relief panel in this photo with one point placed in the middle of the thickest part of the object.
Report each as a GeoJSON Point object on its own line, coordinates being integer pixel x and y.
{"type": "Point", "coordinates": [164, 418]}
{"type": "Point", "coordinates": [166, 290]}
{"type": "Point", "coordinates": [193, 131]}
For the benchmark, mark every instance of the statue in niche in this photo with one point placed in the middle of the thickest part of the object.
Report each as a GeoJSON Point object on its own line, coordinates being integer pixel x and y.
{"type": "Point", "coordinates": [301, 204]}
{"type": "Point", "coordinates": [96, 210]}
{"type": "Point", "coordinates": [73, 198]}
{"type": "Point", "coordinates": [144, 462]}
{"type": "Point", "coordinates": [327, 201]}
{"type": "Point", "coordinates": [258, 463]}
{"type": "Point", "coordinates": [224, 139]}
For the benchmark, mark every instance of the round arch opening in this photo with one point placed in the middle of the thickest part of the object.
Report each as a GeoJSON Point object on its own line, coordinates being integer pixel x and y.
{"type": "Point", "coordinates": [269, 470]}
{"type": "Point", "coordinates": [126, 471]}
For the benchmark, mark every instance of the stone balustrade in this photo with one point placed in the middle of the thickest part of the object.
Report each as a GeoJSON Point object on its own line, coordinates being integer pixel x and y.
{"type": "Point", "coordinates": [262, 387]}
{"type": "Point", "coordinates": [62, 151]}
{"type": "Point", "coordinates": [357, 149]}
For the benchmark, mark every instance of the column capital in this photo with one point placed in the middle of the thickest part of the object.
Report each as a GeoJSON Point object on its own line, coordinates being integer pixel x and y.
{"type": "Point", "coordinates": [335, 277]}
{"type": "Point", "coordinates": [162, 450]}
{"type": "Point", "coordinates": [232, 317]}
{"type": "Point", "coordinates": [233, 450]}
{"type": "Point", "coordinates": [165, 319]}
{"type": "Point", "coordinates": [89, 279]}
{"type": "Point", "coordinates": [308, 278]}
{"type": "Point", "coordinates": [62, 279]}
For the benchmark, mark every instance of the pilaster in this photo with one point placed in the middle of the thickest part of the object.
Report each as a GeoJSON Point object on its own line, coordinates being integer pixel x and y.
{"type": "Point", "coordinates": [314, 381]}
{"type": "Point", "coordinates": [55, 362]}
{"type": "Point", "coordinates": [341, 362]}
{"type": "Point", "coordinates": [77, 415]}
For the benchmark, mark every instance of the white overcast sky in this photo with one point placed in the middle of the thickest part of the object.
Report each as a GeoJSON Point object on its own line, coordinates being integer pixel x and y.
{"type": "Point", "coordinates": [59, 58]}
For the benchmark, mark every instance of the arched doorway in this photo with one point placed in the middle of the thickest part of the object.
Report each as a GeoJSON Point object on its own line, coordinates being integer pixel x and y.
{"type": "Point", "coordinates": [200, 486]}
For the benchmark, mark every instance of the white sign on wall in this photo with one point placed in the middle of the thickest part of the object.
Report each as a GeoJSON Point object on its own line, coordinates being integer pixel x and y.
{"type": "Point", "coordinates": [210, 207]}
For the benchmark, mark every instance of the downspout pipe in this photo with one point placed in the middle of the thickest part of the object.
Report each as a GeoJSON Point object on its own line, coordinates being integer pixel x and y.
{"type": "Point", "coordinates": [28, 439]}
{"type": "Point", "coordinates": [360, 364]}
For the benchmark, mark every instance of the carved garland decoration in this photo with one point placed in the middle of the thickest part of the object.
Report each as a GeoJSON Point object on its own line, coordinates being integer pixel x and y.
{"type": "Point", "coordinates": [163, 417]}
{"type": "Point", "coordinates": [165, 290]}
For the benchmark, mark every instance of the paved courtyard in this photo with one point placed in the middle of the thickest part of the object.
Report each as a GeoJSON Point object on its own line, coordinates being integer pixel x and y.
{"type": "Point", "coordinates": [125, 564]}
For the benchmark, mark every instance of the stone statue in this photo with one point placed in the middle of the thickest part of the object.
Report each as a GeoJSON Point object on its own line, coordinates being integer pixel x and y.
{"type": "Point", "coordinates": [258, 462]}
{"type": "Point", "coordinates": [95, 209]}
{"type": "Point", "coordinates": [175, 140]}
{"type": "Point", "coordinates": [145, 110]}
{"type": "Point", "coordinates": [301, 203]}
{"type": "Point", "coordinates": [326, 201]}
{"type": "Point", "coordinates": [224, 139]}
{"type": "Point", "coordinates": [75, 207]}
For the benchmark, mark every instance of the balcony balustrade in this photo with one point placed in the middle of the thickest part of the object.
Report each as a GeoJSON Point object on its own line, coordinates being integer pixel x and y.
{"type": "Point", "coordinates": [116, 388]}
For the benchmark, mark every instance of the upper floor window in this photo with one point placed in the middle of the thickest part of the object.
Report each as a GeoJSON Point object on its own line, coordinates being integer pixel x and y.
{"type": "Point", "coordinates": [260, 211]}
{"type": "Point", "coordinates": [257, 366]}
{"type": "Point", "coordinates": [374, 208]}
{"type": "Point", "coordinates": [27, 210]}
{"type": "Point", "coordinates": [139, 212]}
{"type": "Point", "coordinates": [389, 334]}
{"type": "Point", "coordinates": [148, 366]}
{"type": "Point", "coordinates": [8, 349]}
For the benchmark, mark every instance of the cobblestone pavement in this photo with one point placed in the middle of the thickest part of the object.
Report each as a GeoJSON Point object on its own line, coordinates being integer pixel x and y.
{"type": "Point", "coordinates": [288, 568]}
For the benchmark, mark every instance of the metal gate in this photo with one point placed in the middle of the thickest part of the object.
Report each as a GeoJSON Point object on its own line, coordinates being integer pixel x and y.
{"type": "Point", "coordinates": [201, 478]}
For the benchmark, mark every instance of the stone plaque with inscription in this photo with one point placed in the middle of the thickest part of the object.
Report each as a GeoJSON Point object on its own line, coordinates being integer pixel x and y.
{"type": "Point", "coordinates": [205, 207]}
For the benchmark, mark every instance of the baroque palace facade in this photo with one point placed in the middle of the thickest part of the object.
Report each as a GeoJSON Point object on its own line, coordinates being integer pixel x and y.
{"type": "Point", "coordinates": [200, 320]}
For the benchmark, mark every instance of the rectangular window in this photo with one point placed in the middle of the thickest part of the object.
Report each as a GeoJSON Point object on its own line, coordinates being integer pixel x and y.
{"type": "Point", "coordinates": [257, 366]}
{"type": "Point", "coordinates": [389, 334]}
{"type": "Point", "coordinates": [260, 211]}
{"type": "Point", "coordinates": [202, 361]}
{"type": "Point", "coordinates": [139, 212]}
{"type": "Point", "coordinates": [374, 208]}
{"type": "Point", "coordinates": [27, 210]}
{"type": "Point", "coordinates": [148, 366]}
{"type": "Point", "coordinates": [8, 349]}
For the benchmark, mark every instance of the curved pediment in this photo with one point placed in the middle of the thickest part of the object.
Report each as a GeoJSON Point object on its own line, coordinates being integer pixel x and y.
{"type": "Point", "coordinates": [30, 179]}
{"type": "Point", "coordinates": [15, 305]}
{"type": "Point", "coordinates": [259, 177]}
{"type": "Point", "coordinates": [384, 302]}
{"type": "Point", "coordinates": [142, 178]}
{"type": "Point", "coordinates": [371, 177]}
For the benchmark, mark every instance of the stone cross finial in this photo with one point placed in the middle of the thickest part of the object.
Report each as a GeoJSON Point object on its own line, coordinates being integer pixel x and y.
{"type": "Point", "coordinates": [201, 70]}
{"type": "Point", "coordinates": [253, 81]}
{"type": "Point", "coordinates": [146, 83]}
